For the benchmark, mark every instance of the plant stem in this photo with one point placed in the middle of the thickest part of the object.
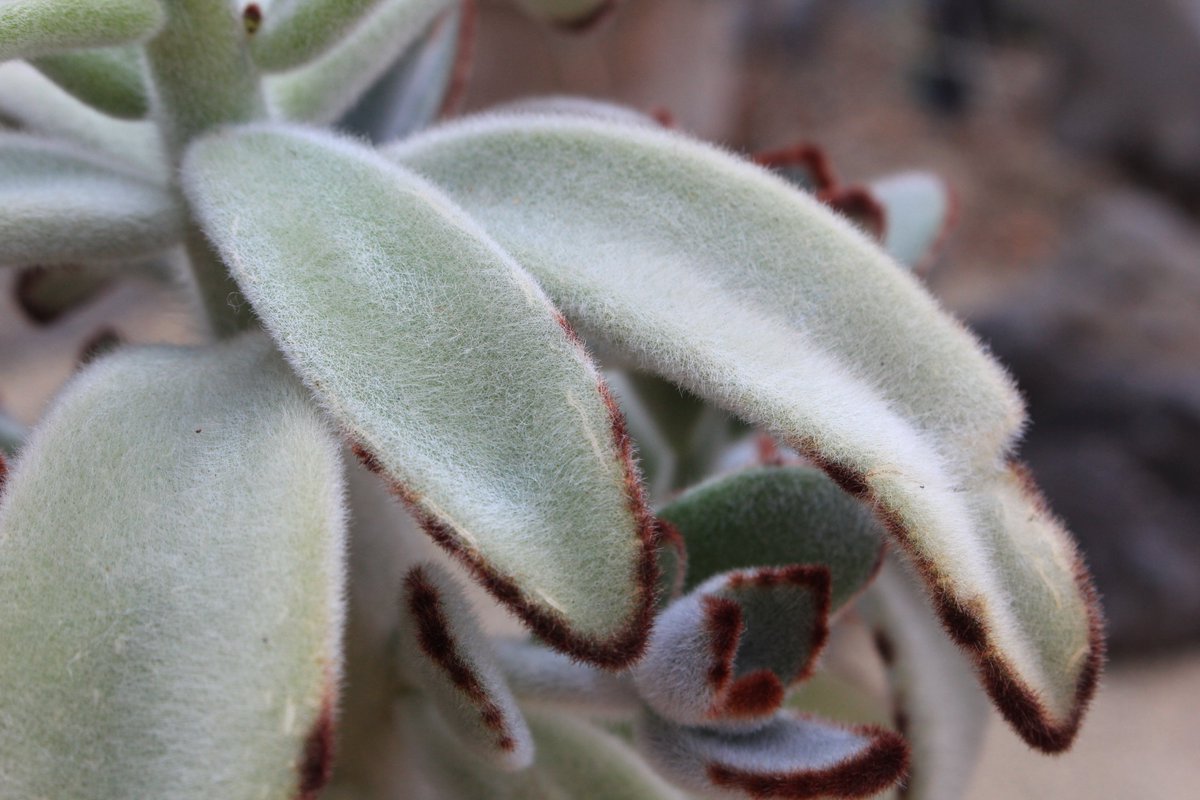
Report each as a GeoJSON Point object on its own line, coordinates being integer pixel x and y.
{"type": "Point", "coordinates": [203, 78]}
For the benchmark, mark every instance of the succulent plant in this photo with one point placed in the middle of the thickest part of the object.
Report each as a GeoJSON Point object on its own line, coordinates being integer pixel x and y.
{"type": "Point", "coordinates": [670, 408]}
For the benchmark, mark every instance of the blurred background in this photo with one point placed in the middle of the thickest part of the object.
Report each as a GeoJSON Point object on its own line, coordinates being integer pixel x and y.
{"type": "Point", "coordinates": [1069, 131]}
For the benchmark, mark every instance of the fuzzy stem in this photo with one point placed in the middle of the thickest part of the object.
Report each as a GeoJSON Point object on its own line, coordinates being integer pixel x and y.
{"type": "Point", "coordinates": [204, 77]}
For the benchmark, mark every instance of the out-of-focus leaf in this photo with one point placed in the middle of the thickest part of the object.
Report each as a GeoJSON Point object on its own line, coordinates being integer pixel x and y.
{"type": "Point", "coordinates": [109, 79]}
{"type": "Point", "coordinates": [31, 28]}
{"type": "Point", "coordinates": [790, 757]}
{"type": "Point", "coordinates": [804, 165]}
{"type": "Point", "coordinates": [443, 649]}
{"type": "Point", "coordinates": [938, 708]}
{"type": "Point", "coordinates": [577, 15]}
{"type": "Point", "coordinates": [171, 575]}
{"type": "Point", "coordinates": [45, 294]}
{"type": "Point", "coordinates": [449, 367]}
{"type": "Point", "coordinates": [59, 204]}
{"type": "Point", "coordinates": [12, 435]}
{"type": "Point", "coordinates": [728, 651]}
{"type": "Point", "coordinates": [540, 676]}
{"type": "Point", "coordinates": [655, 455]}
{"type": "Point", "coordinates": [325, 89]}
{"type": "Point", "coordinates": [727, 281]}
{"type": "Point", "coordinates": [33, 103]}
{"type": "Point", "coordinates": [418, 86]}
{"type": "Point", "coordinates": [918, 209]}
{"type": "Point", "coordinates": [774, 516]}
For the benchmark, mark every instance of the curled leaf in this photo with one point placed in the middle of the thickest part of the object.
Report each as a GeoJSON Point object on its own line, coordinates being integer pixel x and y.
{"type": "Point", "coordinates": [445, 362]}
{"type": "Point", "coordinates": [60, 205]}
{"type": "Point", "coordinates": [790, 757]}
{"type": "Point", "coordinates": [39, 27]}
{"type": "Point", "coordinates": [728, 651]}
{"type": "Point", "coordinates": [171, 574]}
{"type": "Point", "coordinates": [457, 669]}
{"type": "Point", "coordinates": [645, 239]}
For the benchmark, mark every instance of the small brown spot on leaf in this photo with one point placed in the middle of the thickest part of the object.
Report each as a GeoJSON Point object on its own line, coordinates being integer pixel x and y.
{"type": "Point", "coordinates": [252, 18]}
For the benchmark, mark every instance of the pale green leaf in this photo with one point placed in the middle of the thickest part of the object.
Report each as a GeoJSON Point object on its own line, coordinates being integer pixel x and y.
{"type": "Point", "coordinates": [541, 677]}
{"type": "Point", "coordinates": [418, 87]}
{"type": "Point", "coordinates": [448, 366]}
{"type": "Point", "coordinates": [32, 102]}
{"type": "Point", "coordinates": [40, 27]}
{"type": "Point", "coordinates": [171, 576]}
{"type": "Point", "coordinates": [917, 209]}
{"type": "Point", "coordinates": [775, 516]}
{"type": "Point", "coordinates": [328, 87]}
{"type": "Point", "coordinates": [749, 293]}
{"type": "Point", "coordinates": [726, 653]}
{"type": "Point", "coordinates": [443, 650]}
{"type": "Point", "coordinates": [12, 436]}
{"type": "Point", "coordinates": [60, 204]}
{"type": "Point", "coordinates": [939, 709]}
{"type": "Point", "coordinates": [570, 14]}
{"type": "Point", "coordinates": [790, 757]}
{"type": "Point", "coordinates": [109, 79]}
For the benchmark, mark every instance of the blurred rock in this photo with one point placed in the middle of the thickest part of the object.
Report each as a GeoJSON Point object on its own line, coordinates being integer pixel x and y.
{"type": "Point", "coordinates": [1130, 82]}
{"type": "Point", "coordinates": [1106, 346]}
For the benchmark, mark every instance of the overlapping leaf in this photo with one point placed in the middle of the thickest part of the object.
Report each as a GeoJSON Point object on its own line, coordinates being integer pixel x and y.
{"type": "Point", "coordinates": [171, 575]}
{"type": "Point", "coordinates": [730, 283]}
{"type": "Point", "coordinates": [109, 79]}
{"type": "Point", "coordinates": [449, 367]}
{"type": "Point", "coordinates": [540, 676]}
{"type": "Point", "coordinates": [918, 209]}
{"type": "Point", "coordinates": [59, 204]}
{"type": "Point", "coordinates": [39, 27]}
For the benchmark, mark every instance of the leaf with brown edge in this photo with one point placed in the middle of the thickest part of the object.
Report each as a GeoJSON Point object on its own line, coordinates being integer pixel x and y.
{"type": "Point", "coordinates": [937, 706]}
{"type": "Point", "coordinates": [860, 206]}
{"type": "Point", "coordinates": [805, 165]}
{"type": "Point", "coordinates": [792, 756]}
{"type": "Point", "coordinates": [728, 651]}
{"type": "Point", "coordinates": [457, 669]}
{"type": "Point", "coordinates": [449, 368]}
{"type": "Point", "coordinates": [775, 516]}
{"type": "Point", "coordinates": [747, 292]}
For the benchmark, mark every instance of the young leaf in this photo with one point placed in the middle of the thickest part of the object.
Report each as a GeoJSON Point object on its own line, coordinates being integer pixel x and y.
{"type": "Point", "coordinates": [456, 667]}
{"type": "Point", "coordinates": [109, 79]}
{"type": "Point", "coordinates": [31, 28]}
{"type": "Point", "coordinates": [918, 209]}
{"type": "Point", "coordinates": [540, 676]}
{"type": "Point", "coordinates": [59, 204]}
{"type": "Point", "coordinates": [32, 102]}
{"type": "Point", "coordinates": [775, 516]}
{"type": "Point", "coordinates": [328, 87]}
{"type": "Point", "coordinates": [647, 241]}
{"type": "Point", "coordinates": [448, 366]}
{"type": "Point", "coordinates": [575, 15]}
{"type": "Point", "coordinates": [728, 651]}
{"type": "Point", "coordinates": [171, 577]}
{"type": "Point", "coordinates": [938, 708]}
{"type": "Point", "coordinates": [790, 757]}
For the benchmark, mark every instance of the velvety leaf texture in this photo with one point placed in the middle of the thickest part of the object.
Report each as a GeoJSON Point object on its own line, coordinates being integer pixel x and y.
{"type": "Point", "coordinates": [448, 366]}
{"type": "Point", "coordinates": [109, 79]}
{"type": "Point", "coordinates": [59, 204]}
{"type": "Point", "coordinates": [171, 576]}
{"type": "Point", "coordinates": [728, 651]}
{"type": "Point", "coordinates": [543, 677]}
{"type": "Point", "coordinates": [775, 516]}
{"type": "Point", "coordinates": [39, 27]}
{"type": "Point", "coordinates": [790, 757]}
{"type": "Point", "coordinates": [746, 291]}
{"type": "Point", "coordinates": [938, 708]}
{"type": "Point", "coordinates": [295, 31]}
{"type": "Point", "coordinates": [455, 665]}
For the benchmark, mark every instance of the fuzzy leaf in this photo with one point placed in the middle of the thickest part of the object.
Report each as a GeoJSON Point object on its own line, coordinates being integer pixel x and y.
{"type": "Point", "coordinates": [448, 366]}
{"type": "Point", "coordinates": [456, 667]}
{"type": "Point", "coordinates": [775, 516]}
{"type": "Point", "coordinates": [171, 577]}
{"type": "Point", "coordinates": [421, 85]}
{"type": "Point", "coordinates": [328, 87]}
{"type": "Point", "coordinates": [575, 15]}
{"type": "Point", "coordinates": [727, 281]}
{"type": "Point", "coordinates": [46, 294]}
{"type": "Point", "coordinates": [31, 28]}
{"type": "Point", "coordinates": [59, 204]}
{"type": "Point", "coordinates": [728, 651]}
{"type": "Point", "coordinates": [938, 708]}
{"type": "Point", "coordinates": [655, 454]}
{"type": "Point", "coordinates": [917, 211]}
{"type": "Point", "coordinates": [540, 676]}
{"type": "Point", "coordinates": [791, 757]}
{"type": "Point", "coordinates": [32, 102]}
{"type": "Point", "coordinates": [109, 79]}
